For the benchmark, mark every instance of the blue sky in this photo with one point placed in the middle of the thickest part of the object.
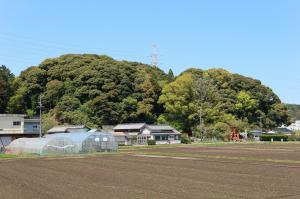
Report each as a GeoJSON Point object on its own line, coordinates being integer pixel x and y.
{"type": "Point", "coordinates": [256, 38]}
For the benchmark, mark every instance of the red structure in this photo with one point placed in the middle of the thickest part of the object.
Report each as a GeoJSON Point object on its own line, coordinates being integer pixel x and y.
{"type": "Point", "coordinates": [234, 135]}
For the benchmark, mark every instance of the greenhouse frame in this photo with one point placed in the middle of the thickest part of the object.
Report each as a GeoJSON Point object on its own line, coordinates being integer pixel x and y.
{"type": "Point", "coordinates": [65, 143]}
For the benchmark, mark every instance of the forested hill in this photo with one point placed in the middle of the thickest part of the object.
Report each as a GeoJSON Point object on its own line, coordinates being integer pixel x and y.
{"type": "Point", "coordinates": [96, 90]}
{"type": "Point", "coordinates": [91, 89]}
{"type": "Point", "coordinates": [294, 111]}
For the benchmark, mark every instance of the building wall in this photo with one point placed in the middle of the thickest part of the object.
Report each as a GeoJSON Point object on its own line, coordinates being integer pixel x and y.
{"type": "Point", "coordinates": [7, 124]}
{"type": "Point", "coordinates": [32, 127]}
{"type": "Point", "coordinates": [168, 142]}
{"type": "Point", "coordinates": [295, 126]}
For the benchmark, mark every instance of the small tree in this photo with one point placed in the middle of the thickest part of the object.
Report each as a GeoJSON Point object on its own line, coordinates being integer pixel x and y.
{"type": "Point", "coordinates": [185, 139]}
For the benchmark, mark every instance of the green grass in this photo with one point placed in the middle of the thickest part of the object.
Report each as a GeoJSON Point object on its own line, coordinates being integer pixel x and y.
{"type": "Point", "coordinates": [7, 156]}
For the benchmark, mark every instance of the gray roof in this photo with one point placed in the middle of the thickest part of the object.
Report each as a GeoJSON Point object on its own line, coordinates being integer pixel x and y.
{"type": "Point", "coordinates": [107, 128]}
{"type": "Point", "coordinates": [12, 115]}
{"type": "Point", "coordinates": [160, 128]}
{"type": "Point", "coordinates": [282, 130]}
{"type": "Point", "coordinates": [33, 120]}
{"type": "Point", "coordinates": [129, 126]}
{"type": "Point", "coordinates": [57, 129]}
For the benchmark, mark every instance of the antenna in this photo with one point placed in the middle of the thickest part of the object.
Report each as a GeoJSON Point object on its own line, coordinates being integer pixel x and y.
{"type": "Point", "coordinates": [154, 56]}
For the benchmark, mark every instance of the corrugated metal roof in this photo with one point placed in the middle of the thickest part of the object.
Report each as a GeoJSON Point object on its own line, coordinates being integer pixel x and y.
{"type": "Point", "coordinates": [12, 115]}
{"type": "Point", "coordinates": [160, 127]}
{"type": "Point", "coordinates": [65, 128]}
{"type": "Point", "coordinates": [129, 126]}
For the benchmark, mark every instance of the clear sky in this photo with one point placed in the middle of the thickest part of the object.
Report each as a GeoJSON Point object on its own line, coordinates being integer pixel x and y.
{"type": "Point", "coordinates": [256, 38]}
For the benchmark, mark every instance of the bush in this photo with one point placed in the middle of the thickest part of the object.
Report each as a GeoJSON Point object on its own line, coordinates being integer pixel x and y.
{"type": "Point", "coordinates": [185, 139]}
{"type": "Point", "coordinates": [151, 142]}
{"type": "Point", "coordinates": [276, 137]}
{"type": "Point", "coordinates": [294, 138]}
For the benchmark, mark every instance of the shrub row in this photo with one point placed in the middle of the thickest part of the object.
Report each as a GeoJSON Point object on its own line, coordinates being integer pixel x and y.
{"type": "Point", "coordinates": [276, 137]}
{"type": "Point", "coordinates": [151, 142]}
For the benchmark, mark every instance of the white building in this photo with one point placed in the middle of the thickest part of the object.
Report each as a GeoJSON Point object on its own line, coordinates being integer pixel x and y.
{"type": "Point", "coordinates": [13, 126]}
{"type": "Point", "coordinates": [140, 133]}
{"type": "Point", "coordinates": [295, 126]}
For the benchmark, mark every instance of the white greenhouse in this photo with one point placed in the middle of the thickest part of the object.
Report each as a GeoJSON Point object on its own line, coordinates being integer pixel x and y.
{"type": "Point", "coordinates": [90, 141]}
{"type": "Point", "coordinates": [42, 146]}
{"type": "Point", "coordinates": [64, 143]}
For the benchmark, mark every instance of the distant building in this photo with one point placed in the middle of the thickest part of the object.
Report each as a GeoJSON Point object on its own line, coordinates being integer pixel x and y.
{"type": "Point", "coordinates": [13, 126]}
{"type": "Point", "coordinates": [130, 128]}
{"type": "Point", "coordinates": [140, 133]}
{"type": "Point", "coordinates": [68, 129]}
{"type": "Point", "coordinates": [295, 126]}
{"type": "Point", "coordinates": [256, 134]}
{"type": "Point", "coordinates": [281, 130]}
{"type": "Point", "coordinates": [162, 134]}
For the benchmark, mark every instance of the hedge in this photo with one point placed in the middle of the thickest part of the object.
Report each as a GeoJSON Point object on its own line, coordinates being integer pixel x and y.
{"type": "Point", "coordinates": [151, 142]}
{"type": "Point", "coordinates": [276, 137]}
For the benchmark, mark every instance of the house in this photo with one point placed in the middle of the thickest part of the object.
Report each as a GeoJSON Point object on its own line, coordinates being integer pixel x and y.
{"type": "Point", "coordinates": [140, 133]}
{"type": "Point", "coordinates": [281, 130]}
{"type": "Point", "coordinates": [162, 134]}
{"type": "Point", "coordinates": [132, 129]}
{"type": "Point", "coordinates": [122, 138]}
{"type": "Point", "coordinates": [13, 126]}
{"type": "Point", "coordinates": [256, 134]}
{"type": "Point", "coordinates": [68, 129]}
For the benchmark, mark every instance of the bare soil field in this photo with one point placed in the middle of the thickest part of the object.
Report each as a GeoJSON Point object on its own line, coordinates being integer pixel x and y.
{"type": "Point", "coordinates": [140, 175]}
{"type": "Point", "coordinates": [255, 151]}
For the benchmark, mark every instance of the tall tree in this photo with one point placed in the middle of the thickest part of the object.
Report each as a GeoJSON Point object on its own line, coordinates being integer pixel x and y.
{"type": "Point", "coordinates": [170, 75]}
{"type": "Point", "coordinates": [6, 87]}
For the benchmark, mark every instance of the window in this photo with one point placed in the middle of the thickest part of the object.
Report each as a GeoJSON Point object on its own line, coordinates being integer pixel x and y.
{"type": "Point", "coordinates": [16, 123]}
{"type": "Point", "coordinates": [171, 137]}
{"type": "Point", "coordinates": [35, 127]}
{"type": "Point", "coordinates": [164, 137]}
{"type": "Point", "coordinates": [157, 137]}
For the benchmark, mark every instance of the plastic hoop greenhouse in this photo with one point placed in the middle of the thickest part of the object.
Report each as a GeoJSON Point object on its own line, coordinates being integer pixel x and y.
{"type": "Point", "coordinates": [90, 142]}
{"type": "Point", "coordinates": [42, 146]}
{"type": "Point", "coordinates": [65, 143]}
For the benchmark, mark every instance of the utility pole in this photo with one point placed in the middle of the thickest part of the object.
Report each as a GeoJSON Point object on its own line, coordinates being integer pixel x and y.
{"type": "Point", "coordinates": [154, 56]}
{"type": "Point", "coordinates": [40, 106]}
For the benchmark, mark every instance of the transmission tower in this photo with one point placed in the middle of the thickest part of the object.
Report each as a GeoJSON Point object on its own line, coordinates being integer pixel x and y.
{"type": "Point", "coordinates": [154, 56]}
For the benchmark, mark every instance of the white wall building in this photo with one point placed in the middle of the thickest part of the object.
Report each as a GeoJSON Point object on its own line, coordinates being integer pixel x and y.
{"type": "Point", "coordinates": [140, 133]}
{"type": "Point", "coordinates": [13, 126]}
{"type": "Point", "coordinates": [295, 126]}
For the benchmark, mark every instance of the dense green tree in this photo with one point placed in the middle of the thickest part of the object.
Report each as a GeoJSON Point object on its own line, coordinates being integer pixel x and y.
{"type": "Point", "coordinates": [219, 99]}
{"type": "Point", "coordinates": [170, 75]}
{"type": "Point", "coordinates": [244, 104]}
{"type": "Point", "coordinates": [96, 90]}
{"type": "Point", "coordinates": [178, 100]}
{"type": "Point", "coordinates": [294, 111]}
{"type": "Point", "coordinates": [91, 89]}
{"type": "Point", "coordinates": [6, 87]}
